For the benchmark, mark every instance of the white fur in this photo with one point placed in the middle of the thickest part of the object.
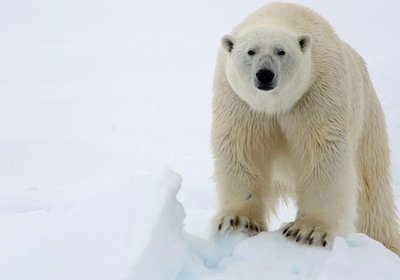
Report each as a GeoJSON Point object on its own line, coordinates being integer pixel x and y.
{"type": "Point", "coordinates": [318, 136]}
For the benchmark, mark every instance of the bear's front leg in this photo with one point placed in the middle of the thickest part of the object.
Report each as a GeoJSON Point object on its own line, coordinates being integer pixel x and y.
{"type": "Point", "coordinates": [241, 199]}
{"type": "Point", "coordinates": [326, 196]}
{"type": "Point", "coordinates": [242, 213]}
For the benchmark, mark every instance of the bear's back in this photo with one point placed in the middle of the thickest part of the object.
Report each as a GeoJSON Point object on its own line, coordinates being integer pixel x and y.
{"type": "Point", "coordinates": [294, 17]}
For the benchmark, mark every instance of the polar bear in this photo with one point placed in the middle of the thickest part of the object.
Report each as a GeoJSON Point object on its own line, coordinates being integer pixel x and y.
{"type": "Point", "coordinates": [295, 115]}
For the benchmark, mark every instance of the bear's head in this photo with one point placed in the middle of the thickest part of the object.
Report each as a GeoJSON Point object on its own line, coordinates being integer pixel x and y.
{"type": "Point", "coordinates": [269, 68]}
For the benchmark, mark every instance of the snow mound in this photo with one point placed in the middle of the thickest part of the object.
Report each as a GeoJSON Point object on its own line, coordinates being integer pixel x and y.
{"type": "Point", "coordinates": [174, 254]}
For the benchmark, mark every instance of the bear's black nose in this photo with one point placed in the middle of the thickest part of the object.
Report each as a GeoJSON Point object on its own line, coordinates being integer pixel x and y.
{"type": "Point", "coordinates": [265, 77]}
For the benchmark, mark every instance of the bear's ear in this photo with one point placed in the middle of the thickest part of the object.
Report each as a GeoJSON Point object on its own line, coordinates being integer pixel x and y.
{"type": "Point", "coordinates": [227, 42]}
{"type": "Point", "coordinates": [304, 42]}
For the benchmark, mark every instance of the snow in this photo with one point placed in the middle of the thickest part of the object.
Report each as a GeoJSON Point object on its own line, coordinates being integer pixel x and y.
{"type": "Point", "coordinates": [98, 97]}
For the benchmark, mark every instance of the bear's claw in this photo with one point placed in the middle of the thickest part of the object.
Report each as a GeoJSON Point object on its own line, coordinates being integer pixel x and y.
{"type": "Point", "coordinates": [241, 224]}
{"type": "Point", "coordinates": [308, 233]}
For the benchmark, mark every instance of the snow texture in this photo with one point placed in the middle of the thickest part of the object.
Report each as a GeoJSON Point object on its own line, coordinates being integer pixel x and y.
{"type": "Point", "coordinates": [268, 255]}
{"type": "Point", "coordinates": [98, 96]}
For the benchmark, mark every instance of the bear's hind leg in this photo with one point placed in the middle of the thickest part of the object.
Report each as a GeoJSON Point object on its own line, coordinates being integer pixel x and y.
{"type": "Point", "coordinates": [377, 214]}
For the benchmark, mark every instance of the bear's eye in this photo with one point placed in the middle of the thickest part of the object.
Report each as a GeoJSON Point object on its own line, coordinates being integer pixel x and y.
{"type": "Point", "coordinates": [281, 52]}
{"type": "Point", "coordinates": [251, 52]}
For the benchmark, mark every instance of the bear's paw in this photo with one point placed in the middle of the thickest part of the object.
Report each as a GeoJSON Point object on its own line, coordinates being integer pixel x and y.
{"type": "Point", "coordinates": [240, 223]}
{"type": "Point", "coordinates": [309, 233]}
